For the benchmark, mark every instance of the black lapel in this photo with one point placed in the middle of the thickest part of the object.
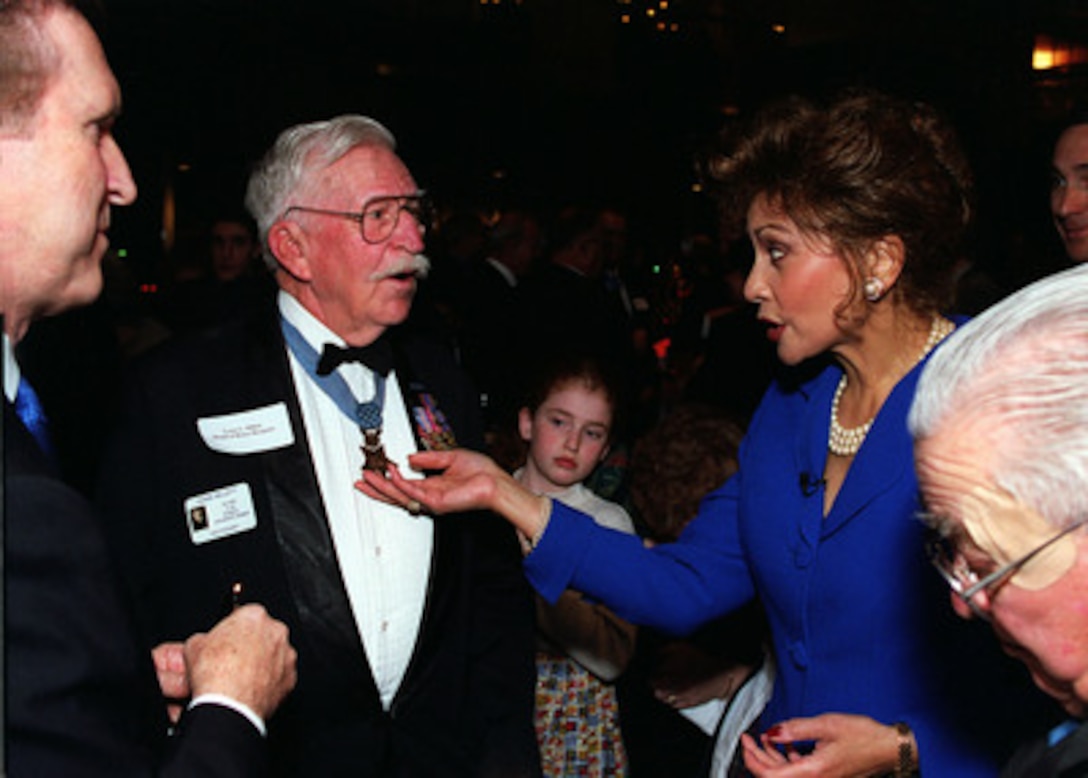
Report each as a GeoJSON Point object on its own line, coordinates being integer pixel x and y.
{"type": "Point", "coordinates": [298, 512]}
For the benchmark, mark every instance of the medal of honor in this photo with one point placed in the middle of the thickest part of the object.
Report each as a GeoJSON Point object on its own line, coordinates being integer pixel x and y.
{"type": "Point", "coordinates": [374, 451]}
{"type": "Point", "coordinates": [369, 416]}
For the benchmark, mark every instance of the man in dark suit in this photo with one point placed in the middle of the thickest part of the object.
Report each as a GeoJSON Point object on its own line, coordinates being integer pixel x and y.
{"type": "Point", "coordinates": [492, 326]}
{"type": "Point", "coordinates": [229, 281]}
{"type": "Point", "coordinates": [81, 697]}
{"type": "Point", "coordinates": [414, 635]}
{"type": "Point", "coordinates": [564, 303]}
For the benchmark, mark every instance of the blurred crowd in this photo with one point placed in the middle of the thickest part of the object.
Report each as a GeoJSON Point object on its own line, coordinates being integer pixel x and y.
{"type": "Point", "coordinates": [730, 461]}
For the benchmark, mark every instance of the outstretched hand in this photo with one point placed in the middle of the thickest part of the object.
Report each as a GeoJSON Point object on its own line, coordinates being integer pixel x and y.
{"type": "Point", "coordinates": [462, 480]}
{"type": "Point", "coordinates": [844, 746]}
{"type": "Point", "coordinates": [458, 480]}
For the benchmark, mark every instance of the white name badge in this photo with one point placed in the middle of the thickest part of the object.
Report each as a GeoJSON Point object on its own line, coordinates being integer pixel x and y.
{"type": "Point", "coordinates": [220, 513]}
{"type": "Point", "coordinates": [248, 432]}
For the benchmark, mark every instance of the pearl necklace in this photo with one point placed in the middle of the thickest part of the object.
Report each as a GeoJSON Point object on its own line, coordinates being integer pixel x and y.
{"type": "Point", "coordinates": [846, 442]}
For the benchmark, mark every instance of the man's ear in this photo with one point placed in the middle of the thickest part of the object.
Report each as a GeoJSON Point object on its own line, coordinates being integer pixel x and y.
{"type": "Point", "coordinates": [525, 424]}
{"type": "Point", "coordinates": [885, 259]}
{"type": "Point", "coordinates": [288, 244]}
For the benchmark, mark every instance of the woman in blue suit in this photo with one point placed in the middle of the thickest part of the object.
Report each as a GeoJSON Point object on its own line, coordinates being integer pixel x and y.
{"type": "Point", "coordinates": [857, 213]}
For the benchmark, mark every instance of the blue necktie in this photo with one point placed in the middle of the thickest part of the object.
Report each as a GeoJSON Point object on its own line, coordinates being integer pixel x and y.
{"type": "Point", "coordinates": [1060, 732]}
{"type": "Point", "coordinates": [29, 410]}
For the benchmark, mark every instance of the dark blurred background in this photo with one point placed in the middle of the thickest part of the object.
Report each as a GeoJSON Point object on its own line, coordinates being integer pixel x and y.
{"type": "Point", "coordinates": [550, 101]}
{"type": "Point", "coordinates": [540, 104]}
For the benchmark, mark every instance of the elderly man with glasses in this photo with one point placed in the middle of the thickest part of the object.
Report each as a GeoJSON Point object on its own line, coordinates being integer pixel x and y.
{"type": "Point", "coordinates": [1000, 422]}
{"type": "Point", "coordinates": [414, 636]}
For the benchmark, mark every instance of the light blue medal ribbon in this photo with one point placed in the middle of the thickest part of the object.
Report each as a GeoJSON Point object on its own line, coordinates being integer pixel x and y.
{"type": "Point", "coordinates": [368, 415]}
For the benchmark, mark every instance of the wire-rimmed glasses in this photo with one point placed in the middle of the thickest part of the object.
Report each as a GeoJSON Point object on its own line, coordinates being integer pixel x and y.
{"type": "Point", "coordinates": [379, 216]}
{"type": "Point", "coordinates": [965, 582]}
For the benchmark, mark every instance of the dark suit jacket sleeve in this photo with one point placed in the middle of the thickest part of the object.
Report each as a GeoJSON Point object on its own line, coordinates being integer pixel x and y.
{"type": "Point", "coordinates": [218, 742]}
{"type": "Point", "coordinates": [81, 694]}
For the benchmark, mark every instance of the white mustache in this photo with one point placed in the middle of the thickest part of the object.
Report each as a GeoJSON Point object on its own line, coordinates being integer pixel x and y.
{"type": "Point", "coordinates": [416, 264]}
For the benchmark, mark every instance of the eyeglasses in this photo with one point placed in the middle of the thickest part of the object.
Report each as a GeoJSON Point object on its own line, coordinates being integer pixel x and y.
{"type": "Point", "coordinates": [965, 582]}
{"type": "Point", "coordinates": [379, 216]}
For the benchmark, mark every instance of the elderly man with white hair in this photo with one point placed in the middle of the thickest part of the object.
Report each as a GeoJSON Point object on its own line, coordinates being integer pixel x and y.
{"type": "Point", "coordinates": [236, 464]}
{"type": "Point", "coordinates": [1000, 423]}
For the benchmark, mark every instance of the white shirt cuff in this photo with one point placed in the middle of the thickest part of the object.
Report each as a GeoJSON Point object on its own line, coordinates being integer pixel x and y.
{"type": "Point", "coordinates": [233, 704]}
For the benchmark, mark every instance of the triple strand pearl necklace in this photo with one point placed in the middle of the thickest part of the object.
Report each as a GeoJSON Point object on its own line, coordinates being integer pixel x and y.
{"type": "Point", "coordinates": [846, 442]}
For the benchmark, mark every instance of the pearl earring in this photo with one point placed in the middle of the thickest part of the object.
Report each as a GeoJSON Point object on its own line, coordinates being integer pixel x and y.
{"type": "Point", "coordinates": [873, 289]}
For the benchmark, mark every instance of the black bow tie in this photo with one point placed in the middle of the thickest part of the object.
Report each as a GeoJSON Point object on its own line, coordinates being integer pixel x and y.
{"type": "Point", "coordinates": [378, 356]}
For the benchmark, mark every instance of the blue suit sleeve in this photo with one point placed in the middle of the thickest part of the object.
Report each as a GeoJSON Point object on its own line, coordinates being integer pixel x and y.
{"type": "Point", "coordinates": [675, 587]}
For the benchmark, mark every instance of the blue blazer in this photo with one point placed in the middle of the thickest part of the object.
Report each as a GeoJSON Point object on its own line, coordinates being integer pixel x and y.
{"type": "Point", "coordinates": [860, 622]}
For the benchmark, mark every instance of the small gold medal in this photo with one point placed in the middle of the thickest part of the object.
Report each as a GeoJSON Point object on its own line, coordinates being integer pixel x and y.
{"type": "Point", "coordinates": [374, 451]}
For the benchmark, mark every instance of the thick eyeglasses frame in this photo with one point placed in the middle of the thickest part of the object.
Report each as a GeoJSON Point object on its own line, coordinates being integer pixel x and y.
{"type": "Point", "coordinates": [378, 227]}
{"type": "Point", "coordinates": [954, 574]}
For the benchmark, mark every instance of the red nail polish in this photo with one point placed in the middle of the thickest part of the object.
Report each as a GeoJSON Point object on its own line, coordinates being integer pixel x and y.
{"type": "Point", "coordinates": [774, 731]}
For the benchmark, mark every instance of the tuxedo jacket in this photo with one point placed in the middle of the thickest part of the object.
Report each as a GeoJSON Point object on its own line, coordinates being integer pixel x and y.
{"type": "Point", "coordinates": [465, 704]}
{"type": "Point", "coordinates": [81, 697]}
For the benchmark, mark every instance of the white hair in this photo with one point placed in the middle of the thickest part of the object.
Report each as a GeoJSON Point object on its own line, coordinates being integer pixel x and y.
{"type": "Point", "coordinates": [298, 153]}
{"type": "Point", "coordinates": [1019, 372]}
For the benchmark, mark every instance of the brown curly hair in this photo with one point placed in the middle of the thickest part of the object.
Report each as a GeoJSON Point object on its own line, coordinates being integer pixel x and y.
{"type": "Point", "coordinates": [673, 466]}
{"type": "Point", "coordinates": [865, 166]}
